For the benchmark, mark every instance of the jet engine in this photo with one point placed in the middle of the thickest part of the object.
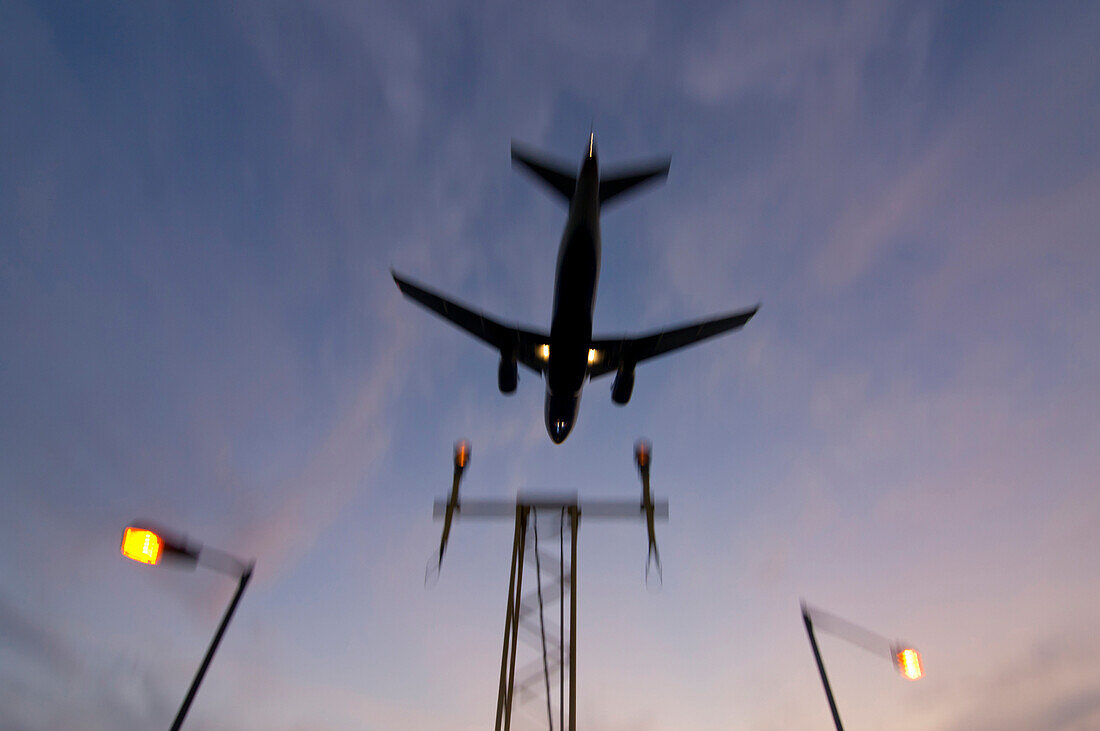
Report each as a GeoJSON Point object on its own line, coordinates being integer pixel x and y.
{"type": "Point", "coordinates": [507, 377]}
{"type": "Point", "coordinates": [623, 385]}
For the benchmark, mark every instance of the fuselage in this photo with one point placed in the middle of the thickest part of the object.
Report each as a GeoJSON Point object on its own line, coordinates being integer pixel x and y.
{"type": "Point", "coordinates": [574, 300]}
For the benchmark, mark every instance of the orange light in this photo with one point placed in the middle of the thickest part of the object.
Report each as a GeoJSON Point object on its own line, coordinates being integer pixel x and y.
{"type": "Point", "coordinates": [462, 453]}
{"type": "Point", "coordinates": [641, 453]}
{"type": "Point", "coordinates": [543, 352]}
{"type": "Point", "coordinates": [909, 664]}
{"type": "Point", "coordinates": [143, 546]}
{"type": "Point", "coordinates": [593, 356]}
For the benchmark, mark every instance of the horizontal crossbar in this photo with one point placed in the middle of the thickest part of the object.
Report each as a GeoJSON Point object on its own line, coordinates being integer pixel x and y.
{"type": "Point", "coordinates": [601, 509]}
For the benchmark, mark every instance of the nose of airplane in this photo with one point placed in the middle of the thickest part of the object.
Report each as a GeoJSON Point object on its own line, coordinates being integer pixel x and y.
{"type": "Point", "coordinates": [559, 429]}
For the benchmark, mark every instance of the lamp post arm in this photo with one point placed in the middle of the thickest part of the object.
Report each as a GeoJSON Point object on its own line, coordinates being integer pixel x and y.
{"type": "Point", "coordinates": [223, 562]}
{"type": "Point", "coordinates": [873, 642]}
{"type": "Point", "coordinates": [245, 575]}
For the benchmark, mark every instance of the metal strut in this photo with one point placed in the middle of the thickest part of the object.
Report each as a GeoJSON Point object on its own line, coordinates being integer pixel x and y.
{"type": "Point", "coordinates": [528, 617]}
{"type": "Point", "coordinates": [561, 615]}
{"type": "Point", "coordinates": [511, 621]}
{"type": "Point", "coordinates": [534, 678]}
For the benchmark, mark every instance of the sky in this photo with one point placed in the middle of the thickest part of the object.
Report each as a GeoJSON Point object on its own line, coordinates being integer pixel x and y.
{"type": "Point", "coordinates": [199, 209]}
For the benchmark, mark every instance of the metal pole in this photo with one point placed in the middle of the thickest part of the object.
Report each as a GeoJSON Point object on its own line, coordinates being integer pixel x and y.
{"type": "Point", "coordinates": [245, 576]}
{"type": "Point", "coordinates": [821, 669]}
{"type": "Point", "coordinates": [574, 522]}
{"type": "Point", "coordinates": [508, 622]}
{"type": "Point", "coordinates": [561, 620]}
{"type": "Point", "coordinates": [523, 512]}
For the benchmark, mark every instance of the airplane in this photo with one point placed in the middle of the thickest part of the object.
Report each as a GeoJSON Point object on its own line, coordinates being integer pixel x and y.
{"type": "Point", "coordinates": [569, 354]}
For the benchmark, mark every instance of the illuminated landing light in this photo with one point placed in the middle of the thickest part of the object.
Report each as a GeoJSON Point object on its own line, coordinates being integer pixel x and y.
{"type": "Point", "coordinates": [909, 663]}
{"type": "Point", "coordinates": [141, 545]}
{"type": "Point", "coordinates": [543, 351]}
{"type": "Point", "coordinates": [462, 453]}
{"type": "Point", "coordinates": [593, 356]}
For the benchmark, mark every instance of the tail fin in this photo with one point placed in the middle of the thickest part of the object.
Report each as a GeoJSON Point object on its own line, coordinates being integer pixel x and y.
{"type": "Point", "coordinates": [551, 172]}
{"type": "Point", "coordinates": [624, 180]}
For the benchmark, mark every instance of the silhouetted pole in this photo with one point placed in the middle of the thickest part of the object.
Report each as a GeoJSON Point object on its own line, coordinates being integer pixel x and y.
{"type": "Point", "coordinates": [821, 668]}
{"type": "Point", "coordinates": [502, 694]}
{"type": "Point", "coordinates": [561, 621]}
{"type": "Point", "coordinates": [245, 576]}
{"type": "Point", "coordinates": [522, 514]}
{"type": "Point", "coordinates": [574, 523]}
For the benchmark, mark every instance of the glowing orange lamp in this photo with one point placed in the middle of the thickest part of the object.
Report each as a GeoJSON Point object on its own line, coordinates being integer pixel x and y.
{"type": "Point", "coordinates": [908, 662]}
{"type": "Point", "coordinates": [141, 545]}
{"type": "Point", "coordinates": [462, 453]}
{"type": "Point", "coordinates": [148, 544]}
{"type": "Point", "coordinates": [642, 452]}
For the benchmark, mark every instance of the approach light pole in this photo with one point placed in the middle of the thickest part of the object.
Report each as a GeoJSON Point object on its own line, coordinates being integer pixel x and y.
{"type": "Point", "coordinates": [529, 616]}
{"type": "Point", "coordinates": [148, 545]}
{"type": "Point", "coordinates": [906, 659]}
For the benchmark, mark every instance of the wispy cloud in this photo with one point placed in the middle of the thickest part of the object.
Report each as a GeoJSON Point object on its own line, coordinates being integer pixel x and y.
{"type": "Point", "coordinates": [199, 326]}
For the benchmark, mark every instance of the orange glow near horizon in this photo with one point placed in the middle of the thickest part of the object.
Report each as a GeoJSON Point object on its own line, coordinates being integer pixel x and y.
{"type": "Point", "coordinates": [141, 545]}
{"type": "Point", "coordinates": [909, 664]}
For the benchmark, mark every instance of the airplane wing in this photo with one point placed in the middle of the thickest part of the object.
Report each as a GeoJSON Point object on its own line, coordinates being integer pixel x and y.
{"type": "Point", "coordinates": [635, 350]}
{"type": "Point", "coordinates": [525, 343]}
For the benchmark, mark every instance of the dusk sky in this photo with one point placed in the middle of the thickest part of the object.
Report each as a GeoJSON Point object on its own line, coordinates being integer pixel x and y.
{"type": "Point", "coordinates": [199, 208]}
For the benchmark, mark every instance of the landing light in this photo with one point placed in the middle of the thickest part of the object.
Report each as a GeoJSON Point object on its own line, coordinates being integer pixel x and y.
{"type": "Point", "coordinates": [593, 356]}
{"type": "Point", "coordinates": [141, 545]}
{"type": "Point", "coordinates": [462, 453]}
{"type": "Point", "coordinates": [909, 663]}
{"type": "Point", "coordinates": [543, 351]}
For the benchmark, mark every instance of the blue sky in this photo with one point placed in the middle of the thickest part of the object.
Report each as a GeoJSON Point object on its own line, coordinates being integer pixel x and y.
{"type": "Point", "coordinates": [199, 208]}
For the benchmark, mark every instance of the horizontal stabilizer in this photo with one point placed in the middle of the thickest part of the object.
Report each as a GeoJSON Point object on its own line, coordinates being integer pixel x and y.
{"type": "Point", "coordinates": [620, 181]}
{"type": "Point", "coordinates": [553, 173]}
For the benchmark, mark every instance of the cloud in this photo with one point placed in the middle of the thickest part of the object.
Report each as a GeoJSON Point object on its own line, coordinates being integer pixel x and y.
{"type": "Point", "coordinates": [204, 330]}
{"type": "Point", "coordinates": [1049, 685]}
{"type": "Point", "coordinates": [33, 641]}
{"type": "Point", "coordinates": [783, 49]}
{"type": "Point", "coordinates": [125, 693]}
{"type": "Point", "coordinates": [294, 513]}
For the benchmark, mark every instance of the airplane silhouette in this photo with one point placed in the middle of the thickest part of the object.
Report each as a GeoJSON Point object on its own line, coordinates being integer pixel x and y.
{"type": "Point", "coordinates": [569, 354]}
